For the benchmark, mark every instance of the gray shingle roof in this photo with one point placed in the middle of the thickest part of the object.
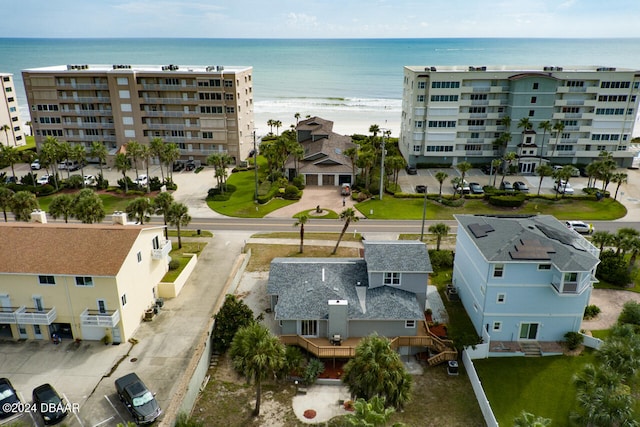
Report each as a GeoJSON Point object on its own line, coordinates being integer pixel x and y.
{"type": "Point", "coordinates": [529, 239]}
{"type": "Point", "coordinates": [305, 285]}
{"type": "Point", "coordinates": [397, 256]}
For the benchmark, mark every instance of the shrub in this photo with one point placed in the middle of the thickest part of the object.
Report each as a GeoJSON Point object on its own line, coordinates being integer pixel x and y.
{"type": "Point", "coordinates": [313, 371]}
{"type": "Point", "coordinates": [74, 181]}
{"type": "Point", "coordinates": [630, 313]}
{"type": "Point", "coordinates": [264, 188]}
{"type": "Point", "coordinates": [220, 197]}
{"type": "Point", "coordinates": [573, 340]}
{"type": "Point", "coordinates": [291, 192]}
{"type": "Point", "coordinates": [101, 183]}
{"type": "Point", "coordinates": [154, 183]}
{"type": "Point", "coordinates": [591, 311]}
{"type": "Point", "coordinates": [170, 184]}
{"type": "Point", "coordinates": [441, 260]}
{"type": "Point", "coordinates": [121, 182]}
{"type": "Point", "coordinates": [513, 201]}
{"type": "Point", "coordinates": [174, 264]}
{"type": "Point", "coordinates": [45, 190]}
{"type": "Point", "coordinates": [298, 181]}
{"type": "Point", "coordinates": [613, 269]}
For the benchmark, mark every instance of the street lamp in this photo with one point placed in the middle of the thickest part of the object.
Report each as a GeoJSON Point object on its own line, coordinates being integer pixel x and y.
{"type": "Point", "coordinates": [424, 213]}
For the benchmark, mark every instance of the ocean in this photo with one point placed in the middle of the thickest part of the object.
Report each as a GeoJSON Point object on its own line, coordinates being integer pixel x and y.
{"type": "Point", "coordinates": [354, 82]}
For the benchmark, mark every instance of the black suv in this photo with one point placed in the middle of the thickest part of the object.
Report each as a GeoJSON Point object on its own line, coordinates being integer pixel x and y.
{"type": "Point", "coordinates": [8, 398]}
{"type": "Point", "coordinates": [138, 399]}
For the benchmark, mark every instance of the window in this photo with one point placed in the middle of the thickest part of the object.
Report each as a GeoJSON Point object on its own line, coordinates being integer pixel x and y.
{"type": "Point", "coordinates": [139, 257]}
{"type": "Point", "coordinates": [410, 324]}
{"type": "Point", "coordinates": [497, 326]}
{"type": "Point", "coordinates": [228, 97]}
{"type": "Point", "coordinates": [123, 298]}
{"type": "Point", "coordinates": [500, 299]}
{"type": "Point", "coordinates": [532, 113]}
{"type": "Point", "coordinates": [228, 83]}
{"type": "Point", "coordinates": [534, 99]}
{"type": "Point", "coordinates": [416, 148]}
{"type": "Point", "coordinates": [570, 277]}
{"type": "Point", "coordinates": [84, 281]}
{"type": "Point", "coordinates": [420, 98]}
{"type": "Point", "coordinates": [230, 110]}
{"type": "Point", "coordinates": [123, 81]}
{"type": "Point", "coordinates": [391, 278]}
{"type": "Point", "coordinates": [308, 328]}
{"type": "Point", "coordinates": [498, 270]}
{"type": "Point", "coordinates": [46, 280]}
{"type": "Point", "coordinates": [544, 266]}
{"type": "Point", "coordinates": [535, 86]}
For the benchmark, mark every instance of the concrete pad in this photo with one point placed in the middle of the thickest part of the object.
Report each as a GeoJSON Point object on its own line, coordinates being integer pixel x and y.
{"type": "Point", "coordinates": [324, 399]}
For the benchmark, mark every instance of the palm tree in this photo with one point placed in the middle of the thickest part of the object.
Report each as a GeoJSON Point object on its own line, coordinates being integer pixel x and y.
{"type": "Point", "coordinates": [278, 125]}
{"type": "Point", "coordinates": [463, 167]}
{"type": "Point", "coordinates": [526, 126]}
{"type": "Point", "coordinates": [302, 220]}
{"type": "Point", "coordinates": [271, 123]}
{"type": "Point", "coordinates": [49, 156]}
{"type": "Point", "coordinates": [157, 150]}
{"type": "Point", "coordinates": [99, 151]}
{"type": "Point", "coordinates": [297, 117]}
{"type": "Point", "coordinates": [257, 354]}
{"type": "Point", "coordinates": [546, 127]}
{"type": "Point", "coordinates": [565, 175]}
{"type": "Point", "coordinates": [6, 196]}
{"type": "Point", "coordinates": [140, 208]}
{"type": "Point", "coordinates": [161, 204]}
{"type": "Point", "coordinates": [22, 204]}
{"type": "Point", "coordinates": [6, 128]}
{"type": "Point", "coordinates": [377, 369]}
{"type": "Point", "coordinates": [374, 129]}
{"type": "Point", "coordinates": [526, 419]}
{"type": "Point", "coordinates": [79, 154]}
{"type": "Point", "coordinates": [28, 157]}
{"type": "Point", "coordinates": [178, 216]}
{"type": "Point", "coordinates": [366, 160]}
{"type": "Point", "coordinates": [134, 151]}
{"type": "Point", "coordinates": [88, 207]}
{"type": "Point", "coordinates": [542, 171]}
{"type": "Point", "coordinates": [123, 165]}
{"type": "Point", "coordinates": [145, 154]}
{"type": "Point", "coordinates": [62, 206]}
{"type": "Point", "coordinates": [619, 178]}
{"type": "Point", "coordinates": [440, 230]}
{"type": "Point", "coordinates": [441, 177]}
{"type": "Point", "coordinates": [171, 154]}
{"type": "Point", "coordinates": [348, 216]}
{"type": "Point", "coordinates": [352, 153]}
{"type": "Point", "coordinates": [64, 153]}
{"type": "Point", "coordinates": [10, 155]}
{"type": "Point", "coordinates": [558, 127]}
{"type": "Point", "coordinates": [457, 184]}
{"type": "Point", "coordinates": [508, 158]}
{"type": "Point", "coordinates": [371, 414]}
{"type": "Point", "coordinates": [495, 165]}
{"type": "Point", "coordinates": [601, 239]}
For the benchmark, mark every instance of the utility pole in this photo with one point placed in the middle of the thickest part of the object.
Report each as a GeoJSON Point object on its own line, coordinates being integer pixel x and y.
{"type": "Point", "coordinates": [424, 213]}
{"type": "Point", "coordinates": [255, 166]}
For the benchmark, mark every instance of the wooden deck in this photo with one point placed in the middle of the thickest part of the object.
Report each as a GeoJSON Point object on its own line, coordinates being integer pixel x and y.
{"type": "Point", "coordinates": [323, 348]}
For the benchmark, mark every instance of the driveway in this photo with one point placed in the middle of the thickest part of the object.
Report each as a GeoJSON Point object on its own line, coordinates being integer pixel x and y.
{"type": "Point", "coordinates": [610, 302]}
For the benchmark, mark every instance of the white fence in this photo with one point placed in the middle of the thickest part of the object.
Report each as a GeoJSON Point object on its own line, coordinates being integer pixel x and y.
{"type": "Point", "coordinates": [591, 342]}
{"type": "Point", "coordinates": [485, 406]}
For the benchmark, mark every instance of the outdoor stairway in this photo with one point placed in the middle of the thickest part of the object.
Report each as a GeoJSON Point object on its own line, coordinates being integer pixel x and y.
{"type": "Point", "coordinates": [531, 349]}
{"type": "Point", "coordinates": [214, 360]}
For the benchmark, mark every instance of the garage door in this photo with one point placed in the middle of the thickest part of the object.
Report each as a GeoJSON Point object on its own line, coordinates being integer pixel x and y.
{"type": "Point", "coordinates": [328, 180]}
{"type": "Point", "coordinates": [92, 333]}
{"type": "Point", "coordinates": [311, 179]}
{"type": "Point", "coordinates": [344, 179]}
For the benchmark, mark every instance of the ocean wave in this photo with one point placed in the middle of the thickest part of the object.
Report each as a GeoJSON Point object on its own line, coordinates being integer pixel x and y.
{"type": "Point", "coordinates": [328, 104]}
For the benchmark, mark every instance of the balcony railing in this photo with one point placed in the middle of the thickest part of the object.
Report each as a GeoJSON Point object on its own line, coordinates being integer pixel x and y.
{"type": "Point", "coordinates": [32, 316]}
{"type": "Point", "coordinates": [106, 319]}
{"type": "Point", "coordinates": [162, 251]}
{"type": "Point", "coordinates": [8, 314]}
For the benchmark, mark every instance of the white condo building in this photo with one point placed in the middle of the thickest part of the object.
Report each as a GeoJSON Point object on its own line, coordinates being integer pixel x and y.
{"type": "Point", "coordinates": [452, 114]}
{"type": "Point", "coordinates": [202, 109]}
{"type": "Point", "coordinates": [12, 135]}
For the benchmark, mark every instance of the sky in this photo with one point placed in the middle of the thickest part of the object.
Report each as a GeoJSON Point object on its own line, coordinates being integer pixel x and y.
{"type": "Point", "coordinates": [320, 18]}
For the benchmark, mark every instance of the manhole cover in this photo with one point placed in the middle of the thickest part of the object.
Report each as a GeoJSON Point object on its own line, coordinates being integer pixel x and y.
{"type": "Point", "coordinates": [134, 359]}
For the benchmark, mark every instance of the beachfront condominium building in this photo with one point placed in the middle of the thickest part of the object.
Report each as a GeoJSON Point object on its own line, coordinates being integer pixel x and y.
{"type": "Point", "coordinates": [202, 109]}
{"type": "Point", "coordinates": [452, 114]}
{"type": "Point", "coordinates": [12, 134]}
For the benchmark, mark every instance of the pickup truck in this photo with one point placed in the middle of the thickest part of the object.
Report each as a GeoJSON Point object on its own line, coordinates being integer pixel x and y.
{"type": "Point", "coordinates": [140, 402]}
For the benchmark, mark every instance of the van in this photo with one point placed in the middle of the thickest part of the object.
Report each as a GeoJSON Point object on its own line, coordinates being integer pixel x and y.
{"type": "Point", "coordinates": [345, 190]}
{"type": "Point", "coordinates": [72, 165]}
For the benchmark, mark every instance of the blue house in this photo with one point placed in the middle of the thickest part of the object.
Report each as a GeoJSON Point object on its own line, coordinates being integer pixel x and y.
{"type": "Point", "coordinates": [523, 279]}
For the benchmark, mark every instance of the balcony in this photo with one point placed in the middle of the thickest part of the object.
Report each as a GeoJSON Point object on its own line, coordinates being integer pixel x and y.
{"type": "Point", "coordinates": [32, 316]}
{"type": "Point", "coordinates": [163, 251]}
{"type": "Point", "coordinates": [8, 314]}
{"type": "Point", "coordinates": [106, 319]}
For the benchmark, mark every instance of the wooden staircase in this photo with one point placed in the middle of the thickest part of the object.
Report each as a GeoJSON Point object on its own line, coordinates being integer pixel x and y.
{"type": "Point", "coordinates": [531, 349]}
{"type": "Point", "coordinates": [445, 348]}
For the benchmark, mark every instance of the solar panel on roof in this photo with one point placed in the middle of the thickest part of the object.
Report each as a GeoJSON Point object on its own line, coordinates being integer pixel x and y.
{"type": "Point", "coordinates": [480, 230]}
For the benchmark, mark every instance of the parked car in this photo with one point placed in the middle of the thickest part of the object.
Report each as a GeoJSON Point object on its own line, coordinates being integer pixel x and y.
{"type": "Point", "coordinates": [49, 404]}
{"type": "Point", "coordinates": [71, 165]}
{"type": "Point", "coordinates": [580, 227]}
{"type": "Point", "coordinates": [563, 187]}
{"type": "Point", "coordinates": [191, 165]}
{"type": "Point", "coordinates": [8, 399]}
{"type": "Point", "coordinates": [464, 188]}
{"type": "Point", "coordinates": [520, 186]}
{"type": "Point", "coordinates": [140, 402]}
{"type": "Point", "coordinates": [36, 165]}
{"type": "Point", "coordinates": [345, 189]}
{"type": "Point", "coordinates": [178, 166]}
{"type": "Point", "coordinates": [141, 180]}
{"type": "Point", "coordinates": [89, 180]}
{"type": "Point", "coordinates": [506, 186]}
{"type": "Point", "coordinates": [43, 180]}
{"type": "Point", "coordinates": [421, 188]}
{"type": "Point", "coordinates": [411, 170]}
{"type": "Point", "coordinates": [486, 169]}
{"type": "Point", "coordinates": [10, 179]}
{"type": "Point", "coordinates": [476, 188]}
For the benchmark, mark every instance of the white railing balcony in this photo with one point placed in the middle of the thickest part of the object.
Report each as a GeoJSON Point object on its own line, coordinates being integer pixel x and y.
{"type": "Point", "coordinates": [163, 251]}
{"type": "Point", "coordinates": [32, 316]}
{"type": "Point", "coordinates": [106, 319]}
{"type": "Point", "coordinates": [8, 314]}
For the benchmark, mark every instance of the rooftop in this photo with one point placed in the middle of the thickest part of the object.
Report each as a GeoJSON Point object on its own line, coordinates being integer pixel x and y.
{"type": "Point", "coordinates": [129, 68]}
{"type": "Point", "coordinates": [516, 68]}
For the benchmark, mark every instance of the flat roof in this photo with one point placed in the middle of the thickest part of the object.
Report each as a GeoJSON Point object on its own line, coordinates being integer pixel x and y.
{"type": "Point", "coordinates": [516, 68]}
{"type": "Point", "coordinates": [117, 68]}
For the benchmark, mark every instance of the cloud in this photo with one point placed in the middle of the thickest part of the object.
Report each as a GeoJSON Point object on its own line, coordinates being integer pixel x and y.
{"type": "Point", "coordinates": [301, 20]}
{"type": "Point", "coordinates": [147, 6]}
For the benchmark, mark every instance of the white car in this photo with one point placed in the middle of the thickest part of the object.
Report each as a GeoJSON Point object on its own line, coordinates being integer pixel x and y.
{"type": "Point", "coordinates": [580, 227]}
{"type": "Point", "coordinates": [141, 181]}
{"type": "Point", "coordinates": [563, 187]}
{"type": "Point", "coordinates": [89, 180]}
{"type": "Point", "coordinates": [44, 179]}
{"type": "Point", "coordinates": [36, 165]}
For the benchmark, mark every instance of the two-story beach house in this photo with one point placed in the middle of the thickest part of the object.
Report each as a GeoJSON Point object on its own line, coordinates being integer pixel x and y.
{"type": "Point", "coordinates": [525, 278]}
{"type": "Point", "coordinates": [78, 281]}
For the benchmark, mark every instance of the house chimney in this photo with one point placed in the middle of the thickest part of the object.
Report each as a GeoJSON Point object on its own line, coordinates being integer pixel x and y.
{"type": "Point", "coordinates": [119, 217]}
{"type": "Point", "coordinates": [39, 216]}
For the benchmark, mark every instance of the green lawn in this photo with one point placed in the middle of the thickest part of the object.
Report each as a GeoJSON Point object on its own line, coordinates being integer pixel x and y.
{"type": "Point", "coordinates": [241, 203]}
{"type": "Point", "coordinates": [394, 208]}
{"type": "Point", "coordinates": [111, 202]}
{"type": "Point", "coordinates": [539, 385]}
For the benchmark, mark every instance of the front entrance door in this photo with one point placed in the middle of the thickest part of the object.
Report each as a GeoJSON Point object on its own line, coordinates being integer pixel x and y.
{"type": "Point", "coordinates": [528, 331]}
{"type": "Point", "coordinates": [102, 306]}
{"type": "Point", "coordinates": [22, 331]}
{"type": "Point", "coordinates": [37, 332]}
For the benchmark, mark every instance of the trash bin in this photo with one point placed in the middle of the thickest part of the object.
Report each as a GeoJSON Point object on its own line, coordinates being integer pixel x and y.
{"type": "Point", "coordinates": [198, 231]}
{"type": "Point", "coordinates": [160, 302]}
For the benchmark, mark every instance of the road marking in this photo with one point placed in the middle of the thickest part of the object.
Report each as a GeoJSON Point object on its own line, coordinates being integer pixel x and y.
{"type": "Point", "coordinates": [72, 411]}
{"type": "Point", "coordinates": [102, 422]}
{"type": "Point", "coordinates": [116, 411]}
